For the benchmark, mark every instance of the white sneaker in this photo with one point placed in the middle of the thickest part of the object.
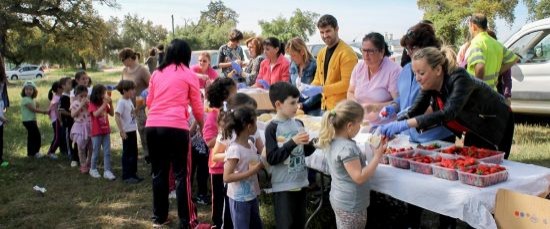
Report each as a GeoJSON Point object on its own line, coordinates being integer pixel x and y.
{"type": "Point", "coordinates": [94, 173]}
{"type": "Point", "coordinates": [38, 155]}
{"type": "Point", "coordinates": [172, 195]}
{"type": "Point", "coordinates": [52, 156]}
{"type": "Point", "coordinates": [74, 164]}
{"type": "Point", "coordinates": [108, 175]}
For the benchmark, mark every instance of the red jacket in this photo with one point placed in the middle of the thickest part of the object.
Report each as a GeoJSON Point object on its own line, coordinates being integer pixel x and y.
{"type": "Point", "coordinates": [280, 71]}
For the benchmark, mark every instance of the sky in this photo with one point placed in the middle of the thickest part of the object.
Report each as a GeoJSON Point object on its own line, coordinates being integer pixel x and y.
{"type": "Point", "coordinates": [355, 17]}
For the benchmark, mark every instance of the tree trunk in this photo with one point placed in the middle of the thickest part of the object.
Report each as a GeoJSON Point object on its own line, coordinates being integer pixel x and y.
{"type": "Point", "coordinates": [83, 64]}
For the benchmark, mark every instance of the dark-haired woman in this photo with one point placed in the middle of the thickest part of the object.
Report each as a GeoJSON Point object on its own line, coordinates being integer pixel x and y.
{"type": "Point", "coordinates": [172, 89]}
{"type": "Point", "coordinates": [275, 67]}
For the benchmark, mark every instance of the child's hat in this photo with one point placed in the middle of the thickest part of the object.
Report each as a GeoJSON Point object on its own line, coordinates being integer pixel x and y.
{"type": "Point", "coordinates": [29, 83]}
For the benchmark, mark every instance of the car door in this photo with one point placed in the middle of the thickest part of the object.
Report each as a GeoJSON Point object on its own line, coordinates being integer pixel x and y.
{"type": "Point", "coordinates": [24, 73]}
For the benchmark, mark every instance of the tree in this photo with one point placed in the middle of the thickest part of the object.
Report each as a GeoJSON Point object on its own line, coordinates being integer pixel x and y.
{"type": "Point", "coordinates": [449, 16]}
{"type": "Point", "coordinates": [538, 9]}
{"type": "Point", "coordinates": [300, 24]}
{"type": "Point", "coordinates": [218, 14]}
{"type": "Point", "coordinates": [139, 34]}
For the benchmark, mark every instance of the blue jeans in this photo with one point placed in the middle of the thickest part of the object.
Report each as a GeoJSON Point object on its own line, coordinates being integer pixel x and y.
{"type": "Point", "coordinates": [97, 142]}
{"type": "Point", "coordinates": [245, 215]}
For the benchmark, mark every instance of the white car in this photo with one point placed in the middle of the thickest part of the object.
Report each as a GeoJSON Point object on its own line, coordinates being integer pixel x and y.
{"type": "Point", "coordinates": [26, 72]}
{"type": "Point", "coordinates": [531, 76]}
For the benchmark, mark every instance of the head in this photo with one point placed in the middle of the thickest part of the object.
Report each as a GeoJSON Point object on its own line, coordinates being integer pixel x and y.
{"type": "Point", "coordinates": [477, 24]}
{"type": "Point", "coordinates": [233, 102]}
{"type": "Point", "coordinates": [273, 48]}
{"type": "Point", "coordinates": [153, 52]}
{"type": "Point", "coordinates": [177, 53]}
{"type": "Point", "coordinates": [374, 49]}
{"type": "Point", "coordinates": [29, 90]}
{"type": "Point", "coordinates": [492, 34]}
{"type": "Point", "coordinates": [235, 37]}
{"type": "Point", "coordinates": [81, 92]}
{"type": "Point", "coordinates": [419, 36]}
{"type": "Point", "coordinates": [204, 60]}
{"type": "Point", "coordinates": [128, 57]}
{"type": "Point", "coordinates": [430, 66]}
{"type": "Point", "coordinates": [328, 29]}
{"type": "Point", "coordinates": [82, 78]}
{"type": "Point", "coordinates": [66, 84]}
{"type": "Point", "coordinates": [126, 88]}
{"type": "Point", "coordinates": [160, 47]}
{"type": "Point", "coordinates": [297, 49]}
{"type": "Point", "coordinates": [242, 120]}
{"type": "Point", "coordinates": [56, 89]}
{"type": "Point", "coordinates": [284, 97]}
{"type": "Point", "coordinates": [98, 93]}
{"type": "Point", "coordinates": [219, 91]}
{"type": "Point", "coordinates": [345, 119]}
{"type": "Point", "coordinates": [255, 46]}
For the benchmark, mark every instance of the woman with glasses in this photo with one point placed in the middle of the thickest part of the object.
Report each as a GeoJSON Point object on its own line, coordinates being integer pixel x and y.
{"type": "Point", "coordinates": [204, 70]}
{"type": "Point", "coordinates": [373, 81]}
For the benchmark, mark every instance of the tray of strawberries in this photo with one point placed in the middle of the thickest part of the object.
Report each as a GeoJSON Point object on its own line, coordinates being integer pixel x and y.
{"type": "Point", "coordinates": [446, 169]}
{"type": "Point", "coordinates": [402, 159]}
{"type": "Point", "coordinates": [481, 154]}
{"type": "Point", "coordinates": [433, 145]}
{"type": "Point", "coordinates": [422, 162]}
{"type": "Point", "coordinates": [483, 175]}
{"type": "Point", "coordinates": [393, 150]}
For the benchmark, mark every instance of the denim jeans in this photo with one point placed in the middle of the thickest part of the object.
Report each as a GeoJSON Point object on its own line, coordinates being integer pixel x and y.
{"type": "Point", "coordinates": [97, 142]}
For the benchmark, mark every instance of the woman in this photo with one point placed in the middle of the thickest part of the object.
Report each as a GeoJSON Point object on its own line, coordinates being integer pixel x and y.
{"type": "Point", "coordinates": [302, 71]}
{"type": "Point", "coordinates": [373, 81]}
{"type": "Point", "coordinates": [172, 89]}
{"type": "Point", "coordinates": [152, 60]}
{"type": "Point", "coordinates": [275, 67]}
{"type": "Point", "coordinates": [256, 49]}
{"type": "Point", "coordinates": [231, 53]}
{"type": "Point", "coordinates": [4, 104]}
{"type": "Point", "coordinates": [205, 73]}
{"type": "Point", "coordinates": [462, 103]}
{"type": "Point", "coordinates": [140, 75]}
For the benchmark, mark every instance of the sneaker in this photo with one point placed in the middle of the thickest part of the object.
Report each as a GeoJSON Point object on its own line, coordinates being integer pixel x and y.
{"type": "Point", "coordinates": [94, 173]}
{"type": "Point", "coordinates": [202, 200]}
{"type": "Point", "coordinates": [132, 181]}
{"type": "Point", "coordinates": [52, 156]}
{"type": "Point", "coordinates": [172, 195]}
{"type": "Point", "coordinates": [38, 155]}
{"type": "Point", "coordinates": [160, 225]}
{"type": "Point", "coordinates": [108, 175]}
{"type": "Point", "coordinates": [4, 164]}
{"type": "Point", "coordinates": [74, 164]}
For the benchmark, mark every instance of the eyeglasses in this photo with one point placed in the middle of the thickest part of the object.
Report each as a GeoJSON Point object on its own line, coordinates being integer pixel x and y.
{"type": "Point", "coordinates": [370, 51]}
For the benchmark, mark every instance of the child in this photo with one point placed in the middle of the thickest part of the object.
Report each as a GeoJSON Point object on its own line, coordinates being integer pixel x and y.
{"type": "Point", "coordinates": [81, 78]}
{"type": "Point", "coordinates": [67, 119]}
{"type": "Point", "coordinates": [240, 169]}
{"type": "Point", "coordinates": [287, 145]}
{"type": "Point", "coordinates": [125, 117]}
{"type": "Point", "coordinates": [99, 107]}
{"type": "Point", "coordinates": [349, 195]}
{"type": "Point", "coordinates": [54, 95]}
{"type": "Point", "coordinates": [29, 108]}
{"type": "Point", "coordinates": [3, 121]}
{"type": "Point", "coordinates": [81, 130]}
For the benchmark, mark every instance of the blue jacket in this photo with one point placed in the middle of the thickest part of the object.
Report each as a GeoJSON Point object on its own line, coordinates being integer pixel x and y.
{"type": "Point", "coordinates": [312, 103]}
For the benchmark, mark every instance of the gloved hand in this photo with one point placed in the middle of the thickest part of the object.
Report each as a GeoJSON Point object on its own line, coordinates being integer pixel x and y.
{"type": "Point", "coordinates": [241, 85]}
{"type": "Point", "coordinates": [264, 84]}
{"type": "Point", "coordinates": [393, 128]}
{"type": "Point", "coordinates": [387, 112]}
{"type": "Point", "coordinates": [236, 67]}
{"type": "Point", "coordinates": [312, 91]}
{"type": "Point", "coordinates": [144, 94]}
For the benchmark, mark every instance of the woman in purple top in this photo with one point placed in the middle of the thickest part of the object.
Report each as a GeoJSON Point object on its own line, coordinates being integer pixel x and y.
{"type": "Point", "coordinates": [373, 81]}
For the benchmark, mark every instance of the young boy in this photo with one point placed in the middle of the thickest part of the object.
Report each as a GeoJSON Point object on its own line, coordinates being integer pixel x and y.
{"type": "Point", "coordinates": [287, 144]}
{"type": "Point", "coordinates": [125, 117]}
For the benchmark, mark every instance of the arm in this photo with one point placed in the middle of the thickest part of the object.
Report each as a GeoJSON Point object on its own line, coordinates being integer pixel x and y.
{"type": "Point", "coordinates": [229, 174]}
{"type": "Point", "coordinates": [276, 154]}
{"type": "Point", "coordinates": [508, 60]}
{"type": "Point", "coordinates": [285, 76]}
{"type": "Point", "coordinates": [34, 109]}
{"type": "Point", "coordinates": [479, 71]}
{"type": "Point", "coordinates": [211, 143]}
{"type": "Point", "coordinates": [347, 63]}
{"type": "Point", "coordinates": [317, 78]}
{"type": "Point", "coordinates": [218, 152]}
{"type": "Point", "coordinates": [118, 121]}
{"type": "Point", "coordinates": [351, 93]}
{"type": "Point", "coordinates": [361, 175]}
{"type": "Point", "coordinates": [146, 76]}
{"type": "Point", "coordinates": [259, 144]}
{"type": "Point", "coordinates": [420, 105]}
{"type": "Point", "coordinates": [196, 102]}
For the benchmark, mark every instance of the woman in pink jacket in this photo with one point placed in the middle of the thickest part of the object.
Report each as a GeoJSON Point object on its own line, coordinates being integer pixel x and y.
{"type": "Point", "coordinates": [275, 67]}
{"type": "Point", "coordinates": [172, 88]}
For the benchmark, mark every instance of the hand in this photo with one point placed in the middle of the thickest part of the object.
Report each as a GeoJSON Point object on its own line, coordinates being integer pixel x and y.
{"type": "Point", "coordinates": [378, 152]}
{"type": "Point", "coordinates": [264, 84]}
{"type": "Point", "coordinates": [241, 85]}
{"type": "Point", "coordinates": [107, 100]}
{"type": "Point", "coordinates": [257, 167]}
{"type": "Point", "coordinates": [393, 128]}
{"type": "Point", "coordinates": [123, 135]}
{"type": "Point", "coordinates": [301, 138]}
{"type": "Point", "coordinates": [312, 91]}
{"type": "Point", "coordinates": [387, 112]}
{"type": "Point", "coordinates": [85, 101]}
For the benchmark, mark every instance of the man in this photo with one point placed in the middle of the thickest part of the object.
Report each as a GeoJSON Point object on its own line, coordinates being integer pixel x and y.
{"type": "Point", "coordinates": [160, 48]}
{"type": "Point", "coordinates": [335, 63]}
{"type": "Point", "coordinates": [487, 58]}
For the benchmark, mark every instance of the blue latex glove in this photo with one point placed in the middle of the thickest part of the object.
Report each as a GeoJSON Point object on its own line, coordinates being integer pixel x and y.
{"type": "Point", "coordinates": [236, 67]}
{"type": "Point", "coordinates": [393, 128]}
{"type": "Point", "coordinates": [144, 94]}
{"type": "Point", "coordinates": [264, 84]}
{"type": "Point", "coordinates": [312, 91]}
{"type": "Point", "coordinates": [387, 112]}
{"type": "Point", "coordinates": [241, 85]}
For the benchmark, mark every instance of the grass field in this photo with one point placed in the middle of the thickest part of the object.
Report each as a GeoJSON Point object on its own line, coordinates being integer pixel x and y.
{"type": "Point", "coordinates": [73, 200]}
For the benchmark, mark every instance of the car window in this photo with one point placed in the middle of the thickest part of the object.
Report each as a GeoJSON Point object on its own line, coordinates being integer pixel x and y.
{"type": "Point", "coordinates": [214, 58]}
{"type": "Point", "coordinates": [533, 47]}
{"type": "Point", "coordinates": [542, 50]}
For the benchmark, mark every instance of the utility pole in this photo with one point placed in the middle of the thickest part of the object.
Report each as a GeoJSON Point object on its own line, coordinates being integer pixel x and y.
{"type": "Point", "coordinates": [173, 35]}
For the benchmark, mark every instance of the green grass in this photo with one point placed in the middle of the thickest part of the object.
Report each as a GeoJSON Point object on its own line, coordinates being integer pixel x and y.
{"type": "Point", "coordinates": [79, 201]}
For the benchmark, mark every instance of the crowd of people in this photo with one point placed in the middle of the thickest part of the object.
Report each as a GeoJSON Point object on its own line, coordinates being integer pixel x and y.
{"type": "Point", "coordinates": [192, 122]}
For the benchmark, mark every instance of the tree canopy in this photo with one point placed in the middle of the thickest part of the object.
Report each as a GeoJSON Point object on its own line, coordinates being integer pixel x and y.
{"type": "Point", "coordinates": [300, 24]}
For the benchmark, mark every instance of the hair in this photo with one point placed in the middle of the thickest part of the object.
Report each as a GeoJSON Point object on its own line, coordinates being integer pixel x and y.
{"type": "Point", "coordinates": [280, 91]}
{"type": "Point", "coordinates": [125, 85]}
{"type": "Point", "coordinates": [126, 53]}
{"type": "Point", "coordinates": [34, 93]}
{"type": "Point", "coordinates": [444, 57]}
{"type": "Point", "coordinates": [98, 92]}
{"type": "Point", "coordinates": [55, 86]}
{"type": "Point", "coordinates": [426, 21]}
{"type": "Point", "coordinates": [80, 89]}
{"type": "Point", "coordinates": [337, 119]}
{"type": "Point", "coordinates": [160, 47]}
{"type": "Point", "coordinates": [378, 41]}
{"type": "Point", "coordinates": [235, 101]}
{"type": "Point", "coordinates": [153, 52]}
{"type": "Point", "coordinates": [298, 45]}
{"type": "Point", "coordinates": [77, 77]}
{"type": "Point", "coordinates": [2, 70]}
{"type": "Point", "coordinates": [207, 55]}
{"type": "Point", "coordinates": [480, 20]}
{"type": "Point", "coordinates": [218, 91]}
{"type": "Point", "coordinates": [492, 34]}
{"type": "Point", "coordinates": [257, 43]}
{"type": "Point", "coordinates": [177, 53]}
{"type": "Point", "coordinates": [237, 120]}
{"type": "Point", "coordinates": [235, 35]}
{"type": "Point", "coordinates": [420, 35]}
{"type": "Point", "coordinates": [64, 80]}
{"type": "Point", "coordinates": [327, 20]}
{"type": "Point", "coordinates": [275, 43]}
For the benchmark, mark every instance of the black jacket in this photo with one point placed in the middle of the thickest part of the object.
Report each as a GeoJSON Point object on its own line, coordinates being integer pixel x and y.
{"type": "Point", "coordinates": [469, 101]}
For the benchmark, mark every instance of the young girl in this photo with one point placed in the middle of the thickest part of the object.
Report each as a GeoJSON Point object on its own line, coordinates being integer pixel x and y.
{"type": "Point", "coordinates": [66, 118]}
{"type": "Point", "coordinates": [81, 130]}
{"type": "Point", "coordinates": [29, 108]}
{"type": "Point", "coordinates": [349, 195]}
{"type": "Point", "coordinates": [242, 163]}
{"type": "Point", "coordinates": [99, 107]}
{"type": "Point", "coordinates": [54, 95]}
{"type": "Point", "coordinates": [81, 78]}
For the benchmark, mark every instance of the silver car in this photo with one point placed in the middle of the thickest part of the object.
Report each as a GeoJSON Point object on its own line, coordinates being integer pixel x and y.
{"type": "Point", "coordinates": [531, 76]}
{"type": "Point", "coordinates": [26, 72]}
